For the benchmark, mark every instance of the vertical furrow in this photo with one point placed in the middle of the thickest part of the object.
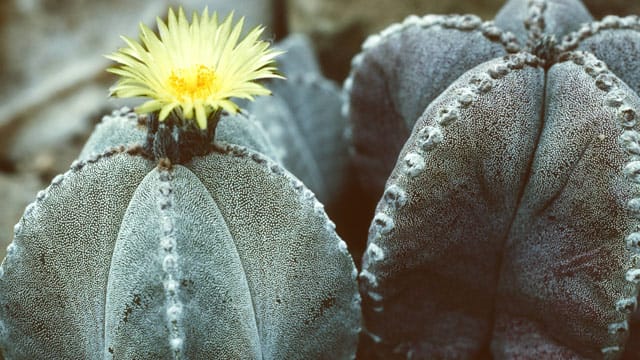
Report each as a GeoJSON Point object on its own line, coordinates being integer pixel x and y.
{"type": "Point", "coordinates": [170, 263]}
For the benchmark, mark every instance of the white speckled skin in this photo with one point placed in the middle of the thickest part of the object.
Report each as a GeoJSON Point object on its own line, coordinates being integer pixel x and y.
{"type": "Point", "coordinates": [516, 225]}
{"type": "Point", "coordinates": [517, 237]}
{"type": "Point", "coordinates": [121, 258]}
{"type": "Point", "coordinates": [399, 72]}
{"type": "Point", "coordinates": [125, 128]}
{"type": "Point", "coordinates": [533, 18]}
{"type": "Point", "coordinates": [615, 41]}
{"type": "Point", "coordinates": [303, 118]}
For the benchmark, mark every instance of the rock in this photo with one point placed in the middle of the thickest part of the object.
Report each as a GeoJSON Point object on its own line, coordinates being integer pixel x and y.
{"type": "Point", "coordinates": [60, 45]}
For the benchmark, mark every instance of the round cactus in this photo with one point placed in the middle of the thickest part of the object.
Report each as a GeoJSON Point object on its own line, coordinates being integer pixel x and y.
{"type": "Point", "coordinates": [225, 256]}
{"type": "Point", "coordinates": [509, 224]}
{"type": "Point", "coordinates": [160, 243]}
{"type": "Point", "coordinates": [123, 127]}
{"type": "Point", "coordinates": [303, 119]}
{"type": "Point", "coordinates": [406, 66]}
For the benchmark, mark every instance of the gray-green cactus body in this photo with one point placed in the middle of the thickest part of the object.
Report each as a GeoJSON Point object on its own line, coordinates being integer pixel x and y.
{"type": "Point", "coordinates": [509, 225]}
{"type": "Point", "coordinates": [399, 72]}
{"type": "Point", "coordinates": [125, 128]}
{"type": "Point", "coordinates": [405, 67]}
{"type": "Point", "coordinates": [299, 56]}
{"type": "Point", "coordinates": [224, 256]}
{"type": "Point", "coordinates": [529, 20]}
{"type": "Point", "coordinates": [304, 121]}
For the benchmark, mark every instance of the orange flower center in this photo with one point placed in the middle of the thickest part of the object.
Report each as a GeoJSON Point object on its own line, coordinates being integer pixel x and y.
{"type": "Point", "coordinates": [196, 82]}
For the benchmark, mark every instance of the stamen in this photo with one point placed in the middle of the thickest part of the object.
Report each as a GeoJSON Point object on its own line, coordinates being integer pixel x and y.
{"type": "Point", "coordinates": [196, 82]}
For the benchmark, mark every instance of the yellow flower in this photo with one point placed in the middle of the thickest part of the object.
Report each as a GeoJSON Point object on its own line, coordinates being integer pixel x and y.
{"type": "Point", "coordinates": [193, 68]}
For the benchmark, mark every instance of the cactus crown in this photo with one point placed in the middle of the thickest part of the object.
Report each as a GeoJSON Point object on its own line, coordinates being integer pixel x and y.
{"type": "Point", "coordinates": [546, 49]}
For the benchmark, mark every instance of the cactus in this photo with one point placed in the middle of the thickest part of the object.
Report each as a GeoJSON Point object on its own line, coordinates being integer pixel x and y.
{"type": "Point", "coordinates": [303, 118]}
{"type": "Point", "coordinates": [124, 127]}
{"type": "Point", "coordinates": [509, 224]}
{"type": "Point", "coordinates": [162, 243]}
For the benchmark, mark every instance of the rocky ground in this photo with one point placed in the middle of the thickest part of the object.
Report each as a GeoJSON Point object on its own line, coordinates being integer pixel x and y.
{"type": "Point", "coordinates": [54, 87]}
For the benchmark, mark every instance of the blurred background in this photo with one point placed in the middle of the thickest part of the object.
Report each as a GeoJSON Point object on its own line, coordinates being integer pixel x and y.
{"type": "Point", "coordinates": [53, 87]}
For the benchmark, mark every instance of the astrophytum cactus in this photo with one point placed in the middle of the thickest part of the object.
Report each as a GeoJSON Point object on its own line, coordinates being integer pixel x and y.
{"type": "Point", "coordinates": [170, 245]}
{"type": "Point", "coordinates": [227, 255]}
{"type": "Point", "coordinates": [509, 225]}
{"type": "Point", "coordinates": [123, 127]}
{"type": "Point", "coordinates": [304, 122]}
{"type": "Point", "coordinates": [300, 126]}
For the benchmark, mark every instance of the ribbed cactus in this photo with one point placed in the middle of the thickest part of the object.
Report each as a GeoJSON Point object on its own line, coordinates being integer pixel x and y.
{"type": "Point", "coordinates": [303, 119]}
{"type": "Point", "coordinates": [509, 224]}
{"type": "Point", "coordinates": [123, 127]}
{"type": "Point", "coordinates": [160, 243]}
{"type": "Point", "coordinates": [225, 256]}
